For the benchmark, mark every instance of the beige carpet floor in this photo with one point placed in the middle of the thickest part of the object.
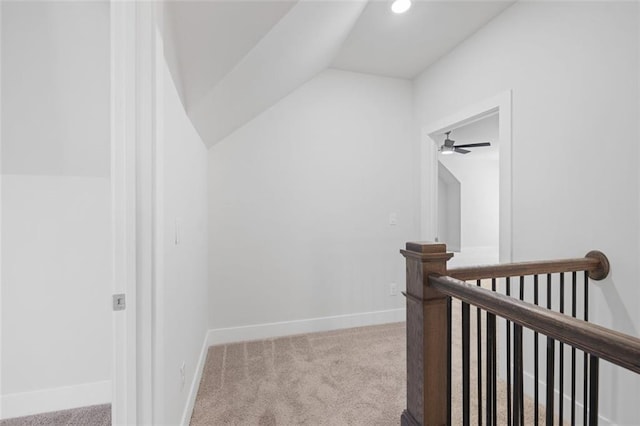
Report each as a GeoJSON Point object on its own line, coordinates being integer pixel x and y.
{"type": "Point", "coordinates": [97, 415]}
{"type": "Point", "coordinates": [347, 377]}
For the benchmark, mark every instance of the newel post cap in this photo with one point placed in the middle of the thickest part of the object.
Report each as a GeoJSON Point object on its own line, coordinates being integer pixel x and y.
{"type": "Point", "coordinates": [427, 251]}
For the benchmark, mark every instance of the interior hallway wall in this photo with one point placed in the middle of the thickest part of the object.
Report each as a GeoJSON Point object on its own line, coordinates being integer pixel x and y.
{"type": "Point", "coordinates": [56, 258]}
{"type": "Point", "coordinates": [573, 69]}
{"type": "Point", "coordinates": [300, 205]}
{"type": "Point", "coordinates": [183, 286]}
{"type": "Point", "coordinates": [449, 209]}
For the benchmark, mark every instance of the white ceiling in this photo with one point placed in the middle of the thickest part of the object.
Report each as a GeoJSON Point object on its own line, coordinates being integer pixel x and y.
{"type": "Point", "coordinates": [232, 59]}
{"type": "Point", "coordinates": [211, 37]}
{"type": "Point", "coordinates": [404, 45]}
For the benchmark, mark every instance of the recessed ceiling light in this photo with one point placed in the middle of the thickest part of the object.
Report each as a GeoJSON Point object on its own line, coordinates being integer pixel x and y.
{"type": "Point", "coordinates": [400, 6]}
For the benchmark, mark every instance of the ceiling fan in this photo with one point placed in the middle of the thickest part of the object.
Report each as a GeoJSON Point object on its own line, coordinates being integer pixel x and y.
{"type": "Point", "coordinates": [448, 146]}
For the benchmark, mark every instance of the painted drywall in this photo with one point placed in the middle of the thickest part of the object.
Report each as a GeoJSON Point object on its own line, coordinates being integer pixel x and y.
{"type": "Point", "coordinates": [209, 38]}
{"type": "Point", "coordinates": [573, 69]}
{"type": "Point", "coordinates": [478, 174]}
{"type": "Point", "coordinates": [56, 91]}
{"type": "Point", "coordinates": [56, 267]}
{"type": "Point", "coordinates": [182, 287]}
{"type": "Point", "coordinates": [449, 209]}
{"type": "Point", "coordinates": [300, 204]}
{"type": "Point", "coordinates": [402, 46]}
{"type": "Point", "coordinates": [1, 376]}
{"type": "Point", "coordinates": [299, 46]}
{"type": "Point", "coordinates": [56, 314]}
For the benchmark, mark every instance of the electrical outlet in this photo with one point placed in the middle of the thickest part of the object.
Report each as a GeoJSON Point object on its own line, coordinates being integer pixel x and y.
{"type": "Point", "coordinates": [393, 219]}
{"type": "Point", "coordinates": [393, 289]}
{"type": "Point", "coordinates": [182, 379]}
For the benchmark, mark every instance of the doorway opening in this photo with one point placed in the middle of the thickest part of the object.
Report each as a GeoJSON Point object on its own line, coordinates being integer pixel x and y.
{"type": "Point", "coordinates": [467, 196]}
{"type": "Point", "coordinates": [468, 211]}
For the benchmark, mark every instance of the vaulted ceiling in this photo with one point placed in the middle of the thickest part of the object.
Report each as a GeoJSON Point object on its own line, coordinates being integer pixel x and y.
{"type": "Point", "coordinates": [211, 37]}
{"type": "Point", "coordinates": [403, 46]}
{"type": "Point", "coordinates": [233, 59]}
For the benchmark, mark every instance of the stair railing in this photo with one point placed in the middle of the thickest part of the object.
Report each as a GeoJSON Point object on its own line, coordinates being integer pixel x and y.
{"type": "Point", "coordinates": [429, 292]}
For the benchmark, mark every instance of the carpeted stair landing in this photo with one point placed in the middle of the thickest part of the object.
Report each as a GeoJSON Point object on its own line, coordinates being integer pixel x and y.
{"type": "Point", "coordinates": [348, 377]}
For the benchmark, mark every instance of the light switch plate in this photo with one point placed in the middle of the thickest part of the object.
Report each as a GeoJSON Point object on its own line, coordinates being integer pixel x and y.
{"type": "Point", "coordinates": [393, 289]}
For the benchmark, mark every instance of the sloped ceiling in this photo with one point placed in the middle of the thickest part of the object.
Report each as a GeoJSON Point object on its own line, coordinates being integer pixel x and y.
{"type": "Point", "coordinates": [404, 45]}
{"type": "Point", "coordinates": [211, 37]}
{"type": "Point", "coordinates": [302, 44]}
{"type": "Point", "coordinates": [232, 60]}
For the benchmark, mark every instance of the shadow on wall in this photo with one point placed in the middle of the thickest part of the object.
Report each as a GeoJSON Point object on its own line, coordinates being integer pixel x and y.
{"type": "Point", "coordinates": [619, 378]}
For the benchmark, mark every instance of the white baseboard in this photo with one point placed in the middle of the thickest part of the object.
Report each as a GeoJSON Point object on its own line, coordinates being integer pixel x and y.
{"type": "Point", "coordinates": [56, 399]}
{"type": "Point", "coordinates": [195, 383]}
{"type": "Point", "coordinates": [529, 380]}
{"type": "Point", "coordinates": [286, 328]}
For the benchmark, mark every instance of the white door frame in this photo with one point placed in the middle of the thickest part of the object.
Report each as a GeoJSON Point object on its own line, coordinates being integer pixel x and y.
{"type": "Point", "coordinates": [133, 160]}
{"type": "Point", "coordinates": [1, 381]}
{"type": "Point", "coordinates": [500, 103]}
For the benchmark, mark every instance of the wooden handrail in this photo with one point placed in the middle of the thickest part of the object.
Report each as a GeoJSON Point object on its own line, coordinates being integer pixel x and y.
{"type": "Point", "coordinates": [595, 263]}
{"type": "Point", "coordinates": [430, 283]}
{"type": "Point", "coordinates": [615, 347]}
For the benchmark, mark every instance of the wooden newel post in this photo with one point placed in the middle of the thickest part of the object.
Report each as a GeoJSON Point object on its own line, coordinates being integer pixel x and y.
{"type": "Point", "coordinates": [427, 348]}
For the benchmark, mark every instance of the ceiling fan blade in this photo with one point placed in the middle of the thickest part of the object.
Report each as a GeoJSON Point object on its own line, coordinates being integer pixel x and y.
{"type": "Point", "coordinates": [461, 151]}
{"type": "Point", "coordinates": [474, 145]}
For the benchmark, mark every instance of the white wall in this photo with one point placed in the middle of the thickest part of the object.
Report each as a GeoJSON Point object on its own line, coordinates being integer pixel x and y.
{"type": "Point", "coordinates": [300, 200]}
{"type": "Point", "coordinates": [1, 50]}
{"type": "Point", "coordinates": [183, 286]}
{"type": "Point", "coordinates": [573, 68]}
{"type": "Point", "coordinates": [56, 267]}
{"type": "Point", "coordinates": [478, 173]}
{"type": "Point", "coordinates": [449, 209]}
{"type": "Point", "coordinates": [56, 91]}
